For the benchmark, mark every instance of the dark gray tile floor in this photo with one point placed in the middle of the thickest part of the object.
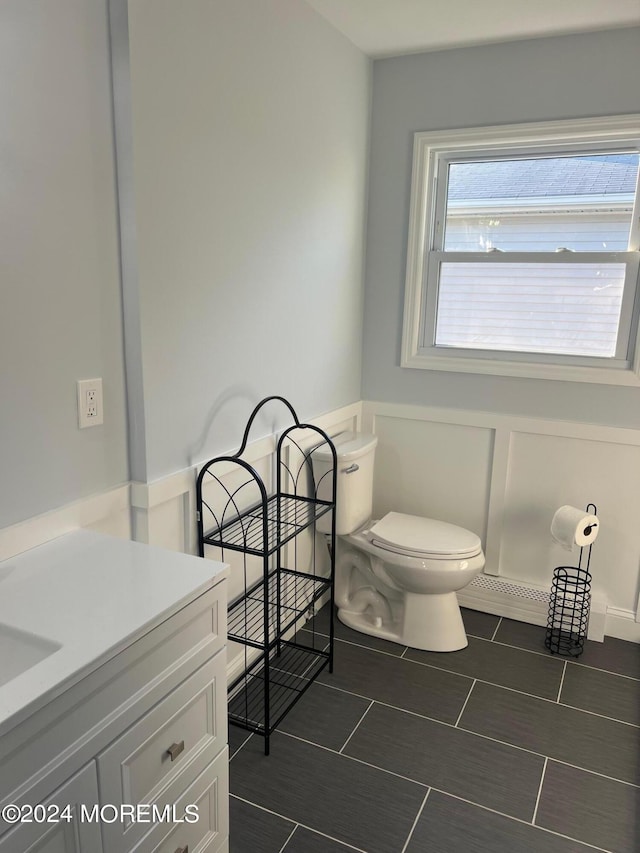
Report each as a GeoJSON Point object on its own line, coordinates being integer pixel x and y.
{"type": "Point", "coordinates": [498, 748]}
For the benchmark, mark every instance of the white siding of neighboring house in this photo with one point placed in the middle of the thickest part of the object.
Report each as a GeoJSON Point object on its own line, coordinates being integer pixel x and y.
{"type": "Point", "coordinates": [533, 308]}
{"type": "Point", "coordinates": [590, 232]}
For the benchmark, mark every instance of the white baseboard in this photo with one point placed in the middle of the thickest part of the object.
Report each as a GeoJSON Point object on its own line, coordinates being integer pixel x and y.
{"type": "Point", "coordinates": [525, 602]}
{"type": "Point", "coordinates": [622, 624]}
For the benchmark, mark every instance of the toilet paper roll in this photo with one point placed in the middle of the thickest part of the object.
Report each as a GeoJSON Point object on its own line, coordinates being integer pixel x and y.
{"type": "Point", "coordinates": [572, 526]}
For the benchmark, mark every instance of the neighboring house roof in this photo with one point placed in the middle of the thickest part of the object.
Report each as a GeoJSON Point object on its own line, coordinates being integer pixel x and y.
{"type": "Point", "coordinates": [608, 174]}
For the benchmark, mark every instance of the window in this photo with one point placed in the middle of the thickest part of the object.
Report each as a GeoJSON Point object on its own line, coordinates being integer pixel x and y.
{"type": "Point", "coordinates": [523, 251]}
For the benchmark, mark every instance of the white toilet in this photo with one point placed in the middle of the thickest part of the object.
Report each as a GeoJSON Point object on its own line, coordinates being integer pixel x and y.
{"type": "Point", "coordinates": [396, 577]}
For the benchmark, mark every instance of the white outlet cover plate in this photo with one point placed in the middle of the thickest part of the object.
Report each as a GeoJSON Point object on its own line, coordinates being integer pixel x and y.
{"type": "Point", "coordinates": [90, 408]}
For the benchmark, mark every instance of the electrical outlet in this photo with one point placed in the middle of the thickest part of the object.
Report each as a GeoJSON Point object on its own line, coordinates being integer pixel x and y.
{"type": "Point", "coordinates": [89, 403]}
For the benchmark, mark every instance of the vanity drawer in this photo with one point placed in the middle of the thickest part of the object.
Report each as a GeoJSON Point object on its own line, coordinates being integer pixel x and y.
{"type": "Point", "coordinates": [156, 759]}
{"type": "Point", "coordinates": [75, 836]}
{"type": "Point", "coordinates": [210, 794]}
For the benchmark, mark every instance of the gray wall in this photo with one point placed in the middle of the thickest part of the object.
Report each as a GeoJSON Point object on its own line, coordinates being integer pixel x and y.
{"type": "Point", "coordinates": [542, 79]}
{"type": "Point", "coordinates": [60, 306]}
{"type": "Point", "coordinates": [250, 130]}
{"type": "Point", "coordinates": [243, 189]}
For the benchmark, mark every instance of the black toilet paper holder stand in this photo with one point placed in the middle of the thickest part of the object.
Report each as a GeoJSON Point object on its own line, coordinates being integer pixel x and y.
{"type": "Point", "coordinates": [570, 603]}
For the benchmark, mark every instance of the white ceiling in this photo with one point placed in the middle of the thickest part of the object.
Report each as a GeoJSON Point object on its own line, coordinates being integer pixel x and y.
{"type": "Point", "coordinates": [391, 27]}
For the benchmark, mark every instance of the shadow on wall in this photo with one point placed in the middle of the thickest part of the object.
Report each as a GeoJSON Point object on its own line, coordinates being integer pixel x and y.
{"type": "Point", "coordinates": [231, 422]}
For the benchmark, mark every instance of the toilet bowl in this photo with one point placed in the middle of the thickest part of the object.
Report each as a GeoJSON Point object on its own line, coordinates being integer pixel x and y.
{"type": "Point", "coordinates": [420, 589]}
{"type": "Point", "coordinates": [396, 577]}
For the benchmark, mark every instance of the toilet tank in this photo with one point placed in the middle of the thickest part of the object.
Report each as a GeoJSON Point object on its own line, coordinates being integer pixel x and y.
{"type": "Point", "coordinates": [355, 453]}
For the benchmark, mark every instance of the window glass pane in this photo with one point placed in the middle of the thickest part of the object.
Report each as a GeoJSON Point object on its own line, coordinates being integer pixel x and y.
{"type": "Point", "coordinates": [583, 203]}
{"type": "Point", "coordinates": [563, 308]}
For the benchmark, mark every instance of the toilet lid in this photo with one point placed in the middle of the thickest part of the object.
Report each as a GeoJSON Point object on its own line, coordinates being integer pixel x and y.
{"type": "Point", "coordinates": [424, 537]}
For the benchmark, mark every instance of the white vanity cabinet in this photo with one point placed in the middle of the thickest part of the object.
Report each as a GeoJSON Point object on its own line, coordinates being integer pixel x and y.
{"type": "Point", "coordinates": [136, 747]}
{"type": "Point", "coordinates": [170, 747]}
{"type": "Point", "coordinates": [65, 836]}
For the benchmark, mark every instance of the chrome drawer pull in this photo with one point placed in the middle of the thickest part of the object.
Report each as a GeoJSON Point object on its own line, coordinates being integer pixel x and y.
{"type": "Point", "coordinates": [174, 751]}
{"type": "Point", "coordinates": [351, 469]}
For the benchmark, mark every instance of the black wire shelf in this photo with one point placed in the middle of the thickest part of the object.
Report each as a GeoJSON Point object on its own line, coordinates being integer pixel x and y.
{"type": "Point", "coordinates": [290, 674]}
{"type": "Point", "coordinates": [286, 517]}
{"type": "Point", "coordinates": [298, 592]}
{"type": "Point", "coordinates": [298, 491]}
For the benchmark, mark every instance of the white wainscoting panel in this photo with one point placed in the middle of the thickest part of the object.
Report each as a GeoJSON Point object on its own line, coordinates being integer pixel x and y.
{"type": "Point", "coordinates": [547, 471]}
{"type": "Point", "coordinates": [503, 477]}
{"type": "Point", "coordinates": [440, 470]}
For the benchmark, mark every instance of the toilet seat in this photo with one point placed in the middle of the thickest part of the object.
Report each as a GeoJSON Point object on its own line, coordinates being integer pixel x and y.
{"type": "Point", "coordinates": [415, 536]}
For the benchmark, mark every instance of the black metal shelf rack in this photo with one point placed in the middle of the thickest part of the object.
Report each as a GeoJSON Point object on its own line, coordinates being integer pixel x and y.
{"type": "Point", "coordinates": [282, 573]}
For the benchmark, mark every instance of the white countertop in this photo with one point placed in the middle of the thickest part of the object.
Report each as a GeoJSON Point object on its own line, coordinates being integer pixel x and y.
{"type": "Point", "coordinates": [86, 596]}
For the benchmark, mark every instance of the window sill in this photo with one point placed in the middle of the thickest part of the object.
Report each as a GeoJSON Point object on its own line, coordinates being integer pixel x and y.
{"type": "Point", "coordinates": [530, 370]}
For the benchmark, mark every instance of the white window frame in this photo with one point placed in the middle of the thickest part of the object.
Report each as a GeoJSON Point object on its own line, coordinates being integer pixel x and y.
{"type": "Point", "coordinates": [418, 349]}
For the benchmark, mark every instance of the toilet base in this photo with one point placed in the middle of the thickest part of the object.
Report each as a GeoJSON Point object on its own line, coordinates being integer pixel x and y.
{"type": "Point", "coordinates": [429, 622]}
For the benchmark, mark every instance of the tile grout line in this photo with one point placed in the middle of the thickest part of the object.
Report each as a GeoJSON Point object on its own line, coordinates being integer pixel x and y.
{"type": "Point", "coordinates": [372, 649]}
{"type": "Point", "coordinates": [297, 823]}
{"type": "Point", "coordinates": [560, 704]}
{"type": "Point", "coordinates": [357, 760]}
{"type": "Point", "coordinates": [413, 826]}
{"type": "Point", "coordinates": [455, 725]}
{"type": "Point", "coordinates": [453, 671]}
{"type": "Point", "coordinates": [332, 838]}
{"type": "Point", "coordinates": [520, 820]}
{"type": "Point", "coordinates": [262, 808]}
{"type": "Point", "coordinates": [289, 837]}
{"type": "Point", "coordinates": [236, 751]}
{"type": "Point", "coordinates": [571, 661]}
{"type": "Point", "coordinates": [535, 810]}
{"type": "Point", "coordinates": [540, 653]}
{"type": "Point", "coordinates": [493, 636]}
{"type": "Point", "coordinates": [561, 761]}
{"type": "Point", "coordinates": [564, 672]}
{"type": "Point", "coordinates": [524, 693]}
{"type": "Point", "coordinates": [344, 745]}
{"type": "Point", "coordinates": [566, 704]}
{"type": "Point", "coordinates": [491, 684]}
{"type": "Point", "coordinates": [600, 669]}
{"type": "Point", "coordinates": [463, 675]}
